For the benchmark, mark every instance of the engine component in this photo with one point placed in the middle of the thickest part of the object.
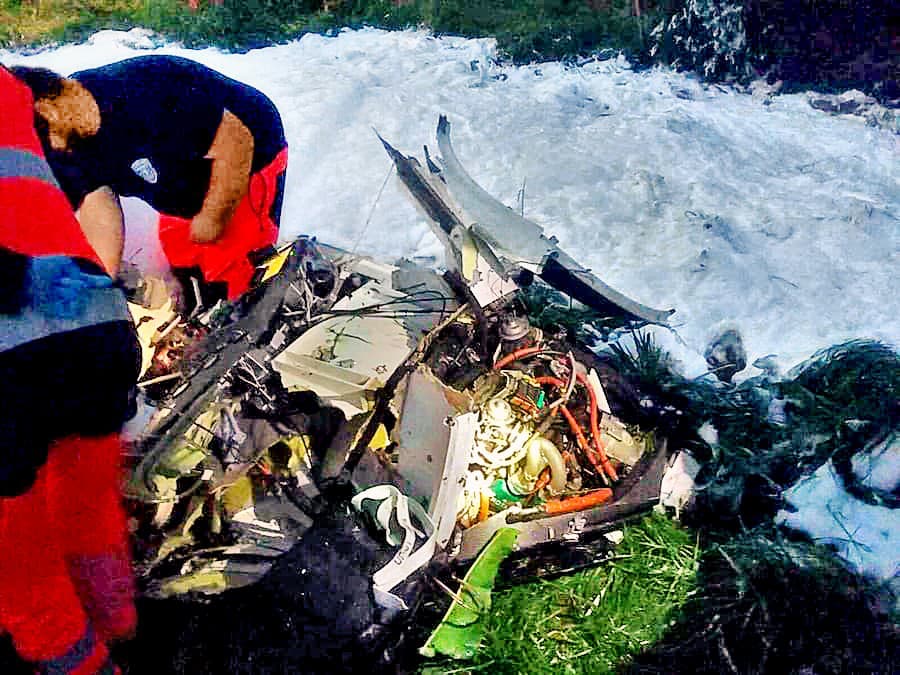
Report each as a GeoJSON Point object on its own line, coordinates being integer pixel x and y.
{"type": "Point", "coordinates": [528, 449]}
{"type": "Point", "coordinates": [528, 397]}
{"type": "Point", "coordinates": [498, 445]}
{"type": "Point", "coordinates": [514, 327]}
{"type": "Point", "coordinates": [541, 454]}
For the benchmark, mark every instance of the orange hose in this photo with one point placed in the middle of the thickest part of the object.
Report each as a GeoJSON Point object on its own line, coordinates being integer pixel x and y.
{"type": "Point", "coordinates": [542, 481]}
{"type": "Point", "coordinates": [484, 508]}
{"type": "Point", "coordinates": [573, 423]}
{"type": "Point", "coordinates": [595, 429]}
{"type": "Point", "coordinates": [582, 441]}
{"type": "Point", "coordinates": [570, 504]}
{"type": "Point", "coordinates": [576, 429]}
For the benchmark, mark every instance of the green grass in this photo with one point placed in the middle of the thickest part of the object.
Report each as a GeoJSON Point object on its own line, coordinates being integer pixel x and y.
{"type": "Point", "coordinates": [236, 24]}
{"type": "Point", "coordinates": [24, 22]}
{"type": "Point", "coordinates": [525, 29]}
{"type": "Point", "coordinates": [534, 29]}
{"type": "Point", "coordinates": [766, 603]}
{"type": "Point", "coordinates": [595, 620]}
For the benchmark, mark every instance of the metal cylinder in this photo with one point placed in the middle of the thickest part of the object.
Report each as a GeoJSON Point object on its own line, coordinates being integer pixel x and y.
{"type": "Point", "coordinates": [513, 327]}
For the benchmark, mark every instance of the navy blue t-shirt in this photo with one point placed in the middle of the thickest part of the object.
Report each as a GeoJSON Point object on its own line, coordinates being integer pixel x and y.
{"type": "Point", "coordinates": [158, 118]}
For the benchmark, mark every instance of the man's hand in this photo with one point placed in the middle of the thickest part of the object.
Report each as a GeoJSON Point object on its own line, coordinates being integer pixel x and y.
{"type": "Point", "coordinates": [206, 228]}
{"type": "Point", "coordinates": [58, 287]}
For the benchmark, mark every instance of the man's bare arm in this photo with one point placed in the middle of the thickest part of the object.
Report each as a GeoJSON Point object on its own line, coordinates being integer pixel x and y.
{"type": "Point", "coordinates": [232, 158]}
{"type": "Point", "coordinates": [100, 216]}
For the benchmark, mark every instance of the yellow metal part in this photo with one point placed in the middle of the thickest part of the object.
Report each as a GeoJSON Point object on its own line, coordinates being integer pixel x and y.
{"type": "Point", "coordinates": [238, 495]}
{"type": "Point", "coordinates": [181, 460]}
{"type": "Point", "coordinates": [381, 439]}
{"type": "Point", "coordinates": [147, 324]}
{"type": "Point", "coordinates": [206, 580]}
{"type": "Point", "coordinates": [171, 544]}
{"type": "Point", "coordinates": [468, 252]}
{"type": "Point", "coordinates": [212, 577]}
{"type": "Point", "coordinates": [299, 446]}
{"type": "Point", "coordinates": [274, 264]}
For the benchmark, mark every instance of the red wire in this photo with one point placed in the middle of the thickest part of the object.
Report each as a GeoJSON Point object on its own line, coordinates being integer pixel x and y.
{"type": "Point", "coordinates": [607, 467]}
{"type": "Point", "coordinates": [604, 466]}
{"type": "Point", "coordinates": [573, 424]}
{"type": "Point", "coordinates": [518, 354]}
{"type": "Point", "coordinates": [595, 429]}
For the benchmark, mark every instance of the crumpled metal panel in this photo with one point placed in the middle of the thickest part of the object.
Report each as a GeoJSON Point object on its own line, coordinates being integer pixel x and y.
{"type": "Point", "coordinates": [424, 436]}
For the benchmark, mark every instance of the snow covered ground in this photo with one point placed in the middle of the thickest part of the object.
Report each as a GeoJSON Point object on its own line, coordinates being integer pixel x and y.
{"type": "Point", "coordinates": [774, 217]}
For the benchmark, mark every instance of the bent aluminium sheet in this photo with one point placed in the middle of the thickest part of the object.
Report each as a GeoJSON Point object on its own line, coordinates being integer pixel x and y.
{"type": "Point", "coordinates": [515, 240]}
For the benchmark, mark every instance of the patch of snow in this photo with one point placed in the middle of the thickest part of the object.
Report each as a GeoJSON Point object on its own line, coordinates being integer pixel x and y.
{"type": "Point", "coordinates": [136, 38]}
{"type": "Point", "coordinates": [858, 104]}
{"type": "Point", "coordinates": [866, 536]}
{"type": "Point", "coordinates": [709, 433]}
{"type": "Point", "coordinates": [879, 467]}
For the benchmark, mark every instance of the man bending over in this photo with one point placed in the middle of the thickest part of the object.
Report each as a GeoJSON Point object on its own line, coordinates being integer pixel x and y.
{"type": "Point", "coordinates": [207, 152]}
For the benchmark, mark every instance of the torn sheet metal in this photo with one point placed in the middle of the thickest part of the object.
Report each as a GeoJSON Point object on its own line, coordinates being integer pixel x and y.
{"type": "Point", "coordinates": [452, 199]}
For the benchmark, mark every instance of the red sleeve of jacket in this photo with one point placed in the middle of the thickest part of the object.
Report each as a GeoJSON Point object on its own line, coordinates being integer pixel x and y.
{"type": "Point", "coordinates": [18, 115]}
{"type": "Point", "coordinates": [35, 216]}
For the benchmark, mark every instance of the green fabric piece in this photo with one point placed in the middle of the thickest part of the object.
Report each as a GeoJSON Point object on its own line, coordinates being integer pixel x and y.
{"type": "Point", "coordinates": [462, 628]}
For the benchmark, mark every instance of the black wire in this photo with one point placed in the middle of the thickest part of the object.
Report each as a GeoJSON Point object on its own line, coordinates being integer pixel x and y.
{"type": "Point", "coordinates": [388, 315]}
{"type": "Point", "coordinates": [409, 300]}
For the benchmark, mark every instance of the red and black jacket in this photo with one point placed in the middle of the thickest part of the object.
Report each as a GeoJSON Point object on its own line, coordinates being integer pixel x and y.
{"type": "Point", "coordinates": [57, 376]}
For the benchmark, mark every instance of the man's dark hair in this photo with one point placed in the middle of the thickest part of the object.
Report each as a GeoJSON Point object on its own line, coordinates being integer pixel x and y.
{"type": "Point", "coordinates": [44, 83]}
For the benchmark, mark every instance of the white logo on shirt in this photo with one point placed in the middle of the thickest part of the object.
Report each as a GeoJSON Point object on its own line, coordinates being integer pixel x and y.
{"type": "Point", "coordinates": [143, 168]}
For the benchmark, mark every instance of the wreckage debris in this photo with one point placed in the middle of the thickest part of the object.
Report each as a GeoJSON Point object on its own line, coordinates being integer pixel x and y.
{"type": "Point", "coordinates": [431, 404]}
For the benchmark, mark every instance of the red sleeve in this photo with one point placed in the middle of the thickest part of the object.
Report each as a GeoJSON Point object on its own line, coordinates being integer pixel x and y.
{"type": "Point", "coordinates": [35, 216]}
{"type": "Point", "coordinates": [18, 115]}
